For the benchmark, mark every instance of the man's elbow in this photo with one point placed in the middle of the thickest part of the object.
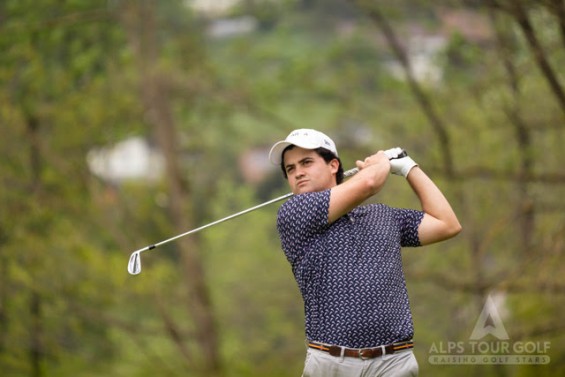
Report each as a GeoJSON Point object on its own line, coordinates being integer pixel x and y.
{"type": "Point", "coordinates": [434, 230]}
{"type": "Point", "coordinates": [452, 229]}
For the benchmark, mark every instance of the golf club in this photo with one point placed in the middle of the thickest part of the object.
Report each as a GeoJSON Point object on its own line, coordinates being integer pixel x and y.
{"type": "Point", "coordinates": [134, 264]}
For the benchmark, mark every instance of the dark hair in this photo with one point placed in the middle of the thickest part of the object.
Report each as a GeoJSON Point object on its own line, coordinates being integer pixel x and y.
{"type": "Point", "coordinates": [326, 154]}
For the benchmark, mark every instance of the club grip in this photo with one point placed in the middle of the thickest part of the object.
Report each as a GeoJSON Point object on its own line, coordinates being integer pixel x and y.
{"type": "Point", "coordinates": [401, 155]}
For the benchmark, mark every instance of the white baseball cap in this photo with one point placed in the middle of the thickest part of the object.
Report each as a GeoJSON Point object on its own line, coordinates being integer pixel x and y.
{"type": "Point", "coordinates": [303, 138]}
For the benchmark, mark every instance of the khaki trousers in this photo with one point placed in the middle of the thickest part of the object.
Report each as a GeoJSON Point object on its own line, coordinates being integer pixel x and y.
{"type": "Point", "coordinates": [321, 364]}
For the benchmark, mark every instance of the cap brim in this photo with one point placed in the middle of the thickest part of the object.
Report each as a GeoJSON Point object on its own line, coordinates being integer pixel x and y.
{"type": "Point", "coordinates": [275, 155]}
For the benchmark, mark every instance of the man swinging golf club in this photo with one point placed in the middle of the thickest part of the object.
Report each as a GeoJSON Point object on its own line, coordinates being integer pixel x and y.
{"type": "Point", "coordinates": [346, 257]}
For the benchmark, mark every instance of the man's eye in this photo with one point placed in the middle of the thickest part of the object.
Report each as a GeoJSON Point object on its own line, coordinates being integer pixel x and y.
{"type": "Point", "coordinates": [289, 170]}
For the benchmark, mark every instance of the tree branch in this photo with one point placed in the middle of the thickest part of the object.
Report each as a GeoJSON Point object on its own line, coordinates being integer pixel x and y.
{"type": "Point", "coordinates": [523, 20]}
{"type": "Point", "coordinates": [421, 97]}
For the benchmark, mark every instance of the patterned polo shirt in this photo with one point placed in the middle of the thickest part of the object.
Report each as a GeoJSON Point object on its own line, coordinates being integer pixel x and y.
{"type": "Point", "coordinates": [350, 272]}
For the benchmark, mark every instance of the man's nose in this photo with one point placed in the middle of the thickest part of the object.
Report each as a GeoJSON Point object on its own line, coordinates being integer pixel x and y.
{"type": "Point", "coordinates": [298, 172]}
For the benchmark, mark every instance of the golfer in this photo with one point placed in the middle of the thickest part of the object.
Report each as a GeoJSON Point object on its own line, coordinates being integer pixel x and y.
{"type": "Point", "coordinates": [346, 257]}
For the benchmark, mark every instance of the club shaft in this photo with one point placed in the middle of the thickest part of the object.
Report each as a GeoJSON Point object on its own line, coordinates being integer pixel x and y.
{"type": "Point", "coordinates": [150, 247]}
{"type": "Point", "coordinates": [346, 174]}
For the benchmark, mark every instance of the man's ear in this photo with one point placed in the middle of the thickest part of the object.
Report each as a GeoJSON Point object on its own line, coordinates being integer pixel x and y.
{"type": "Point", "coordinates": [334, 164]}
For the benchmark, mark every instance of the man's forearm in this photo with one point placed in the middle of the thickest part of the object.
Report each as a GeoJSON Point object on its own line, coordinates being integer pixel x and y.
{"type": "Point", "coordinates": [373, 174]}
{"type": "Point", "coordinates": [440, 221]}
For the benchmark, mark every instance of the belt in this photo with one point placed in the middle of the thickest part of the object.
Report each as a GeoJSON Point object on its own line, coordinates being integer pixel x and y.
{"type": "Point", "coordinates": [362, 353]}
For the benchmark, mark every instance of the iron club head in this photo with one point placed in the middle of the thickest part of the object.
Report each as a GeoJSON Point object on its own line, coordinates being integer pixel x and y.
{"type": "Point", "coordinates": [134, 265]}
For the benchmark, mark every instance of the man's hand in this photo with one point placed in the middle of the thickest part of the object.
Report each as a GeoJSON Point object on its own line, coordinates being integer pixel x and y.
{"type": "Point", "coordinates": [400, 166]}
{"type": "Point", "coordinates": [378, 158]}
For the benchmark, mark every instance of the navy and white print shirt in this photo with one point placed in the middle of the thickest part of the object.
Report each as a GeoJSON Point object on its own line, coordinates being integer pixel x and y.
{"type": "Point", "coordinates": [350, 272]}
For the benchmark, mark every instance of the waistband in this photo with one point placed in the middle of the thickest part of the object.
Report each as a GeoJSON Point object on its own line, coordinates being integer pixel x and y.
{"type": "Point", "coordinates": [362, 353]}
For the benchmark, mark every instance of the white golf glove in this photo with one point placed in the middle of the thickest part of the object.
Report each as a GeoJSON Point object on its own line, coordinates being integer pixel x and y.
{"type": "Point", "coordinates": [399, 165]}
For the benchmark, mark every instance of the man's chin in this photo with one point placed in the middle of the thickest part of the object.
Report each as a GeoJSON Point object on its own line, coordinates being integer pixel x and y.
{"type": "Point", "coordinates": [301, 190]}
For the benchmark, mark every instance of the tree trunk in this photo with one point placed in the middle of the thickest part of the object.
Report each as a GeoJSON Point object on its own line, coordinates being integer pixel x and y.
{"type": "Point", "coordinates": [139, 20]}
{"type": "Point", "coordinates": [35, 302]}
{"type": "Point", "coordinates": [526, 208]}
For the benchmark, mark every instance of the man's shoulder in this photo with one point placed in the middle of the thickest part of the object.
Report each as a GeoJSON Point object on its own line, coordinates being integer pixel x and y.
{"type": "Point", "coordinates": [307, 199]}
{"type": "Point", "coordinates": [305, 210]}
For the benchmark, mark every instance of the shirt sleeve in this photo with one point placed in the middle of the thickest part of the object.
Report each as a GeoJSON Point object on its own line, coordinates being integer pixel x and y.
{"type": "Point", "coordinates": [409, 220]}
{"type": "Point", "coordinates": [301, 220]}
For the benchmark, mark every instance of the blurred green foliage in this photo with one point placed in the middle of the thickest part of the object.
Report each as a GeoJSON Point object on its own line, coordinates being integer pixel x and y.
{"type": "Point", "coordinates": [70, 83]}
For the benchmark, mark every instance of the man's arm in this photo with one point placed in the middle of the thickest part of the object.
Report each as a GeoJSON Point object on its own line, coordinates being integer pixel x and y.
{"type": "Point", "coordinates": [439, 222]}
{"type": "Point", "coordinates": [373, 173]}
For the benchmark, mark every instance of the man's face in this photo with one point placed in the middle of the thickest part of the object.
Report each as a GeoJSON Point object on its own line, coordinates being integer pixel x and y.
{"type": "Point", "coordinates": [308, 172]}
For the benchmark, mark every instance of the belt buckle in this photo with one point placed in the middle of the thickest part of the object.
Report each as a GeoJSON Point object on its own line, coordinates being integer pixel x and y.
{"type": "Point", "coordinates": [361, 356]}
